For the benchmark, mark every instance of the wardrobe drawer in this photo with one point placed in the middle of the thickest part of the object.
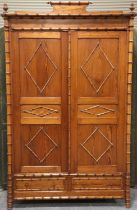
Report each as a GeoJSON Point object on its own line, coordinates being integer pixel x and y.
{"type": "Point", "coordinates": [97, 183]}
{"type": "Point", "coordinates": [40, 184]}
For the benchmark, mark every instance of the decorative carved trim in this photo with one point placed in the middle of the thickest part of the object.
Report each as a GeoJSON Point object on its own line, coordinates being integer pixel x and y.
{"type": "Point", "coordinates": [69, 3]}
{"type": "Point", "coordinates": [72, 9]}
{"type": "Point", "coordinates": [5, 10]}
{"type": "Point", "coordinates": [97, 129]}
{"type": "Point", "coordinates": [43, 45]}
{"type": "Point", "coordinates": [9, 113]}
{"type": "Point", "coordinates": [82, 28]}
{"type": "Point", "coordinates": [69, 7]}
{"type": "Point", "coordinates": [83, 68]}
{"type": "Point", "coordinates": [132, 9]}
{"type": "Point", "coordinates": [43, 109]}
{"type": "Point", "coordinates": [42, 175]}
{"type": "Point", "coordinates": [129, 92]}
{"type": "Point", "coordinates": [41, 160]}
{"type": "Point", "coordinates": [68, 197]}
{"type": "Point", "coordinates": [87, 110]}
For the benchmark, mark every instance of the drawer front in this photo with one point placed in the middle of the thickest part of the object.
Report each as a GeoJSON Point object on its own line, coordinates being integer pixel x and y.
{"type": "Point", "coordinates": [42, 184]}
{"type": "Point", "coordinates": [73, 183]}
{"type": "Point", "coordinates": [97, 183]}
{"type": "Point", "coordinates": [68, 187]}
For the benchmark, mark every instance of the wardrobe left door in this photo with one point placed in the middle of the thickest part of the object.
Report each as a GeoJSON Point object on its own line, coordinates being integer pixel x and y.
{"type": "Point", "coordinates": [39, 82]}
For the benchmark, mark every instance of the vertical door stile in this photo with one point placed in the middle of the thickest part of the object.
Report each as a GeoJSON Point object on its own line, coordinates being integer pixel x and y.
{"type": "Point", "coordinates": [73, 92]}
{"type": "Point", "coordinates": [69, 100]}
{"type": "Point", "coordinates": [64, 101]}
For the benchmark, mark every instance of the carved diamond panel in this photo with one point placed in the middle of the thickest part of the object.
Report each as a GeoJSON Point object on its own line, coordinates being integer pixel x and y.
{"type": "Point", "coordinates": [40, 67]}
{"type": "Point", "coordinates": [97, 68]}
{"type": "Point", "coordinates": [97, 110]}
{"type": "Point", "coordinates": [41, 145]}
{"type": "Point", "coordinates": [93, 141]}
{"type": "Point", "coordinates": [41, 111]}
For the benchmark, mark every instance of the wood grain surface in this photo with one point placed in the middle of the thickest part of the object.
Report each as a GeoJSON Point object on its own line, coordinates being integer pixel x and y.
{"type": "Point", "coordinates": [69, 103]}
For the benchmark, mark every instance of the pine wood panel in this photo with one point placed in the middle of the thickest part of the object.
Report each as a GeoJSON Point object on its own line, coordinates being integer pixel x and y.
{"type": "Point", "coordinates": [40, 102]}
{"type": "Point", "coordinates": [99, 75]}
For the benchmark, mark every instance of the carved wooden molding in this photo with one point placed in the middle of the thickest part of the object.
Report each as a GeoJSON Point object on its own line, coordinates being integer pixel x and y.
{"type": "Point", "coordinates": [128, 125]}
{"type": "Point", "coordinates": [67, 197]}
{"type": "Point", "coordinates": [69, 7]}
{"type": "Point", "coordinates": [81, 28]}
{"type": "Point", "coordinates": [41, 111]}
{"type": "Point", "coordinates": [83, 67]}
{"type": "Point", "coordinates": [68, 3]}
{"type": "Point", "coordinates": [92, 138]}
{"type": "Point", "coordinates": [97, 110]}
{"type": "Point", "coordinates": [45, 155]}
{"type": "Point", "coordinates": [76, 8]}
{"type": "Point", "coordinates": [40, 114]}
{"type": "Point", "coordinates": [42, 45]}
{"type": "Point", "coordinates": [39, 175]}
{"type": "Point", "coordinates": [9, 113]}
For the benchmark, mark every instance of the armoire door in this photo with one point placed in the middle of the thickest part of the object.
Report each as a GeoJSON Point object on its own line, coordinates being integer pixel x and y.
{"type": "Point", "coordinates": [86, 137]}
{"type": "Point", "coordinates": [40, 101]}
{"type": "Point", "coordinates": [98, 98]}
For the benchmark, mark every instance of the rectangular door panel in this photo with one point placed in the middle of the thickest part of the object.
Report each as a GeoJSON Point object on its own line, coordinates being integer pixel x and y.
{"type": "Point", "coordinates": [99, 102]}
{"type": "Point", "coordinates": [40, 125]}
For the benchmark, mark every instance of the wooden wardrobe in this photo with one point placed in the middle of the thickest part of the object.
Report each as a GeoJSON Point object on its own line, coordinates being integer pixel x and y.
{"type": "Point", "coordinates": [69, 81]}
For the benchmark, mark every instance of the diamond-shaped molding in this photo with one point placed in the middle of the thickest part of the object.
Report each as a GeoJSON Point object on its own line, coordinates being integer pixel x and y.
{"type": "Point", "coordinates": [41, 111]}
{"type": "Point", "coordinates": [97, 110]}
{"type": "Point", "coordinates": [45, 61]}
{"type": "Point", "coordinates": [36, 145]}
{"type": "Point", "coordinates": [89, 68]}
{"type": "Point", "coordinates": [91, 137]}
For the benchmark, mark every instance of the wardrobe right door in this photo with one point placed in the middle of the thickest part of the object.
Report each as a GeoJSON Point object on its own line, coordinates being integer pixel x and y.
{"type": "Point", "coordinates": [98, 100]}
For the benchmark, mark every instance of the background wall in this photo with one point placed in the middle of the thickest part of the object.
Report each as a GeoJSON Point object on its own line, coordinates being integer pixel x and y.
{"type": "Point", "coordinates": [40, 5]}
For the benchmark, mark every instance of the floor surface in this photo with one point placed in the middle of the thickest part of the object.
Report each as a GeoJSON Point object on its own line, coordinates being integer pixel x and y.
{"type": "Point", "coordinates": [70, 205]}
